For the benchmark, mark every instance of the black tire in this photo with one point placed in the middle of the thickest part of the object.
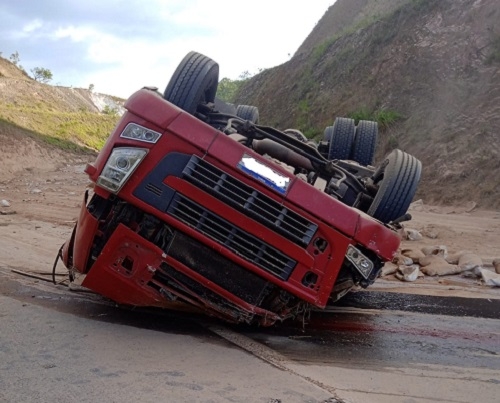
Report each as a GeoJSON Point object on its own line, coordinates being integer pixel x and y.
{"type": "Point", "coordinates": [248, 112]}
{"type": "Point", "coordinates": [327, 134]}
{"type": "Point", "coordinates": [341, 138]}
{"type": "Point", "coordinates": [194, 82]}
{"type": "Point", "coordinates": [397, 185]}
{"type": "Point", "coordinates": [365, 141]}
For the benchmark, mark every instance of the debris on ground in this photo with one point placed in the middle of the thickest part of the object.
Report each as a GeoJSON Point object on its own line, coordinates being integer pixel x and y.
{"type": "Point", "coordinates": [400, 260]}
{"type": "Point", "coordinates": [437, 266]}
{"type": "Point", "coordinates": [496, 265]}
{"type": "Point", "coordinates": [408, 273]}
{"type": "Point", "coordinates": [388, 269]}
{"type": "Point", "coordinates": [437, 250]}
{"type": "Point", "coordinates": [490, 278]}
{"type": "Point", "coordinates": [412, 234]}
{"type": "Point", "coordinates": [434, 260]}
{"type": "Point", "coordinates": [413, 254]}
{"type": "Point", "coordinates": [469, 261]}
{"type": "Point", "coordinates": [4, 203]}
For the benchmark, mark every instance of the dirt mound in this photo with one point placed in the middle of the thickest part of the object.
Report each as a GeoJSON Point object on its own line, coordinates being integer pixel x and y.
{"type": "Point", "coordinates": [9, 70]}
{"type": "Point", "coordinates": [435, 64]}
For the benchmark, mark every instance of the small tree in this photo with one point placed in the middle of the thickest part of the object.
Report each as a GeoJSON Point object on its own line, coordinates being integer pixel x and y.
{"type": "Point", "coordinates": [41, 74]}
{"type": "Point", "coordinates": [91, 87]}
{"type": "Point", "coordinates": [14, 58]}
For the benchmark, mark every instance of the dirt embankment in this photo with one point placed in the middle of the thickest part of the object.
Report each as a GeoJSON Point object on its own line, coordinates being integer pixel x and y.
{"type": "Point", "coordinates": [436, 64]}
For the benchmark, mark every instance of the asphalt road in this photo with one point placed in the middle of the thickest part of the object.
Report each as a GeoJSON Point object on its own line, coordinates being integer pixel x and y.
{"type": "Point", "coordinates": [77, 347]}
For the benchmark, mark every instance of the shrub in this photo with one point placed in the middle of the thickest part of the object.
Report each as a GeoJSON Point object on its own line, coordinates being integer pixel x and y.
{"type": "Point", "coordinates": [41, 74]}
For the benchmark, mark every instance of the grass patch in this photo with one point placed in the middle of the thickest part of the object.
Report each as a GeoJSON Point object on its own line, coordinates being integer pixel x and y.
{"type": "Point", "coordinates": [303, 121]}
{"type": "Point", "coordinates": [384, 117]}
{"type": "Point", "coordinates": [82, 128]}
{"type": "Point", "coordinates": [13, 129]}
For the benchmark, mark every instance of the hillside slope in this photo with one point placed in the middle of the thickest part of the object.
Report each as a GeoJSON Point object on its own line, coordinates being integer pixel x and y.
{"type": "Point", "coordinates": [60, 114]}
{"type": "Point", "coordinates": [436, 63]}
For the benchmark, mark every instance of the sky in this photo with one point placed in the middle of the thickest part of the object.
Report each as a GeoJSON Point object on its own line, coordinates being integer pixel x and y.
{"type": "Point", "coordinates": [120, 46]}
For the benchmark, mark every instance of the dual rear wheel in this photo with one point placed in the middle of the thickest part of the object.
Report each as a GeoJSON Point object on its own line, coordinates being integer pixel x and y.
{"type": "Point", "coordinates": [346, 141]}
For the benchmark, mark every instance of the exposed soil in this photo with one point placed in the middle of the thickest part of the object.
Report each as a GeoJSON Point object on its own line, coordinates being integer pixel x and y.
{"type": "Point", "coordinates": [435, 63]}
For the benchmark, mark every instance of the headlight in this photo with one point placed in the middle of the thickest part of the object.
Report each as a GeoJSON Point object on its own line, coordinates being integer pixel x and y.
{"type": "Point", "coordinates": [135, 132]}
{"type": "Point", "coordinates": [359, 261]}
{"type": "Point", "coordinates": [120, 165]}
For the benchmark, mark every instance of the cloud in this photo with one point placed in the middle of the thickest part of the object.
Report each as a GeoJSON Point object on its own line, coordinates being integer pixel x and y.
{"type": "Point", "coordinates": [119, 46]}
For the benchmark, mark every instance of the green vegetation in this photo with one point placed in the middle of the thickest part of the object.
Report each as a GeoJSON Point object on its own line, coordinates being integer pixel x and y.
{"type": "Point", "coordinates": [303, 121]}
{"type": "Point", "coordinates": [16, 61]}
{"type": "Point", "coordinates": [384, 117]}
{"type": "Point", "coordinates": [41, 74]}
{"type": "Point", "coordinates": [11, 128]}
{"type": "Point", "coordinates": [69, 130]}
{"type": "Point", "coordinates": [228, 89]}
{"type": "Point", "coordinates": [108, 110]}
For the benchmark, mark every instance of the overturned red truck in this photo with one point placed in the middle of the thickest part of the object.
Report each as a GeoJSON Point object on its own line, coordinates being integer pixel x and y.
{"type": "Point", "coordinates": [196, 202]}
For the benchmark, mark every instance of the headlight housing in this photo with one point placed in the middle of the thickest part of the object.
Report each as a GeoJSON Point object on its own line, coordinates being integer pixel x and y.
{"type": "Point", "coordinates": [359, 261]}
{"type": "Point", "coordinates": [134, 131]}
{"type": "Point", "coordinates": [120, 165]}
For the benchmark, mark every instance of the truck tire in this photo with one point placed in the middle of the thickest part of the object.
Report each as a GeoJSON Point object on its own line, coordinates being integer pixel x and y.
{"type": "Point", "coordinates": [341, 136]}
{"type": "Point", "coordinates": [397, 185]}
{"type": "Point", "coordinates": [248, 112]}
{"type": "Point", "coordinates": [193, 82]}
{"type": "Point", "coordinates": [365, 141]}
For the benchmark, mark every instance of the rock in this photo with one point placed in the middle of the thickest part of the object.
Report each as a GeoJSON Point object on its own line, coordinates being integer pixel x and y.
{"type": "Point", "coordinates": [412, 234]}
{"type": "Point", "coordinates": [436, 266]}
{"type": "Point", "coordinates": [430, 233]}
{"type": "Point", "coordinates": [413, 254]}
{"type": "Point", "coordinates": [429, 259]}
{"type": "Point", "coordinates": [400, 260]}
{"type": "Point", "coordinates": [470, 274]}
{"type": "Point", "coordinates": [408, 273]}
{"type": "Point", "coordinates": [417, 205]}
{"type": "Point", "coordinates": [455, 257]}
{"type": "Point", "coordinates": [4, 203]}
{"type": "Point", "coordinates": [36, 191]}
{"type": "Point", "coordinates": [440, 267]}
{"type": "Point", "coordinates": [469, 261]}
{"type": "Point", "coordinates": [496, 265]}
{"type": "Point", "coordinates": [388, 268]}
{"type": "Point", "coordinates": [10, 212]}
{"type": "Point", "coordinates": [490, 278]}
{"type": "Point", "coordinates": [437, 250]}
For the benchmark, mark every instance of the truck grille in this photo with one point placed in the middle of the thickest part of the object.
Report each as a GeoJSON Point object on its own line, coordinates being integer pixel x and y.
{"type": "Point", "coordinates": [240, 242]}
{"type": "Point", "coordinates": [249, 201]}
